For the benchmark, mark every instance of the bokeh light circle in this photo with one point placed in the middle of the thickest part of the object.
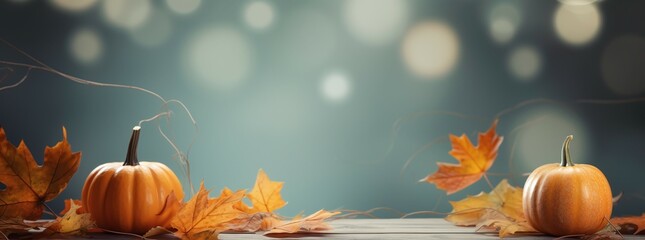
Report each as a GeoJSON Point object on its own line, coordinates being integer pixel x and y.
{"type": "Point", "coordinates": [336, 87]}
{"type": "Point", "coordinates": [503, 22]}
{"type": "Point", "coordinates": [539, 142]}
{"type": "Point", "coordinates": [525, 62]}
{"type": "Point", "coordinates": [375, 22]}
{"type": "Point", "coordinates": [577, 24]}
{"type": "Point", "coordinates": [86, 46]}
{"type": "Point", "coordinates": [155, 31]}
{"type": "Point", "coordinates": [258, 15]}
{"type": "Point", "coordinates": [183, 6]}
{"type": "Point", "coordinates": [128, 14]}
{"type": "Point", "coordinates": [622, 65]}
{"type": "Point", "coordinates": [219, 57]}
{"type": "Point", "coordinates": [430, 49]}
{"type": "Point", "coordinates": [74, 5]}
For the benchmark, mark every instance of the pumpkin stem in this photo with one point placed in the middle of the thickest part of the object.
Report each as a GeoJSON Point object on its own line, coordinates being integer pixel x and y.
{"type": "Point", "coordinates": [566, 157]}
{"type": "Point", "coordinates": [131, 158]}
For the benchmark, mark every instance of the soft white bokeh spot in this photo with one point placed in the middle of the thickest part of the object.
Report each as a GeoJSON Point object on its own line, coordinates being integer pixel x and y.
{"type": "Point", "coordinates": [74, 5]}
{"type": "Point", "coordinates": [622, 65]}
{"type": "Point", "coordinates": [525, 63]}
{"type": "Point", "coordinates": [336, 87]}
{"type": "Point", "coordinates": [578, 2]}
{"type": "Point", "coordinates": [540, 141]}
{"type": "Point", "coordinates": [259, 15]}
{"type": "Point", "coordinates": [128, 14]}
{"type": "Point", "coordinates": [86, 46]}
{"type": "Point", "coordinates": [376, 22]}
{"type": "Point", "coordinates": [219, 57]}
{"type": "Point", "coordinates": [430, 49]}
{"type": "Point", "coordinates": [577, 24]}
{"type": "Point", "coordinates": [155, 31]}
{"type": "Point", "coordinates": [183, 6]}
{"type": "Point", "coordinates": [503, 22]}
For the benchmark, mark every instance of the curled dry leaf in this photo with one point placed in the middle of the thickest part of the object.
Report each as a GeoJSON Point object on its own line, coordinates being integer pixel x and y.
{"type": "Point", "coordinates": [504, 199]}
{"type": "Point", "coordinates": [473, 161]}
{"type": "Point", "coordinates": [28, 184]}
{"type": "Point", "coordinates": [630, 225]}
{"type": "Point", "coordinates": [265, 195]}
{"type": "Point", "coordinates": [312, 223]}
{"type": "Point", "coordinates": [75, 219]}
{"type": "Point", "coordinates": [506, 227]}
{"type": "Point", "coordinates": [203, 217]}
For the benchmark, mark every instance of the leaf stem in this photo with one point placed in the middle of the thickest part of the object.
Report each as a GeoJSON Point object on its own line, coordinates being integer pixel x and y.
{"type": "Point", "coordinates": [49, 209]}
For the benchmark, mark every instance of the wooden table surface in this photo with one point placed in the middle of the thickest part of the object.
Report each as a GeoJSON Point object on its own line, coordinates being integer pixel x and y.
{"type": "Point", "coordinates": [416, 228]}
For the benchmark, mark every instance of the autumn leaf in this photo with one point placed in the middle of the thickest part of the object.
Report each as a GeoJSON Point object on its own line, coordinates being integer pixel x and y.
{"type": "Point", "coordinates": [473, 161]}
{"type": "Point", "coordinates": [203, 217]}
{"type": "Point", "coordinates": [28, 185]}
{"type": "Point", "coordinates": [311, 223]}
{"type": "Point", "coordinates": [630, 225]}
{"type": "Point", "coordinates": [265, 195]}
{"type": "Point", "coordinates": [75, 219]}
{"type": "Point", "coordinates": [506, 227]}
{"type": "Point", "coordinates": [252, 222]}
{"type": "Point", "coordinates": [504, 199]}
{"type": "Point", "coordinates": [14, 225]}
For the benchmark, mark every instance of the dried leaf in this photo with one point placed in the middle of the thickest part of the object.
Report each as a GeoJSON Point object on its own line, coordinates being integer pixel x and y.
{"type": "Point", "coordinates": [14, 225]}
{"type": "Point", "coordinates": [311, 223]}
{"type": "Point", "coordinates": [238, 205]}
{"type": "Point", "coordinates": [203, 217]}
{"type": "Point", "coordinates": [73, 222]}
{"type": "Point", "coordinates": [630, 225]}
{"type": "Point", "coordinates": [506, 227]}
{"type": "Point", "coordinates": [251, 222]}
{"type": "Point", "coordinates": [505, 199]}
{"type": "Point", "coordinates": [473, 161]}
{"type": "Point", "coordinates": [602, 236]}
{"type": "Point", "coordinates": [265, 195]}
{"type": "Point", "coordinates": [28, 184]}
{"type": "Point", "coordinates": [68, 205]}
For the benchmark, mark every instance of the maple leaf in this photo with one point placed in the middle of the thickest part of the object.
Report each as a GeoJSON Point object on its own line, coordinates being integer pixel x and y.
{"type": "Point", "coordinates": [75, 219]}
{"type": "Point", "coordinates": [252, 222]}
{"type": "Point", "coordinates": [28, 185]}
{"type": "Point", "coordinates": [473, 161]}
{"type": "Point", "coordinates": [630, 225]}
{"type": "Point", "coordinates": [14, 225]}
{"type": "Point", "coordinates": [265, 195]}
{"type": "Point", "coordinates": [504, 199]}
{"type": "Point", "coordinates": [203, 217]}
{"type": "Point", "coordinates": [311, 223]}
{"type": "Point", "coordinates": [506, 227]}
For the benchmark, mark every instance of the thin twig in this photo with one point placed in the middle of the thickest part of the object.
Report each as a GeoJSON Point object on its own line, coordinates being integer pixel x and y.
{"type": "Point", "coordinates": [50, 209]}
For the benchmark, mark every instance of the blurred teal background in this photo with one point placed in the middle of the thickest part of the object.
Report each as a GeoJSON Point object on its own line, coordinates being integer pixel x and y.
{"type": "Point", "coordinates": [333, 97]}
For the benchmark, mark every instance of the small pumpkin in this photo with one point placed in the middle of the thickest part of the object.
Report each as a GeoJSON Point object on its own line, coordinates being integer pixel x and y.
{"type": "Point", "coordinates": [131, 196]}
{"type": "Point", "coordinates": [566, 198]}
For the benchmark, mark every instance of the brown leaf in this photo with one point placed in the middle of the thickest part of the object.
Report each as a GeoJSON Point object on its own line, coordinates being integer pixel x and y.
{"type": "Point", "coordinates": [630, 225]}
{"type": "Point", "coordinates": [473, 161]}
{"type": "Point", "coordinates": [73, 222]}
{"type": "Point", "coordinates": [156, 231]}
{"type": "Point", "coordinates": [505, 199]}
{"type": "Point", "coordinates": [28, 184]}
{"type": "Point", "coordinates": [251, 222]}
{"type": "Point", "coordinates": [14, 225]}
{"type": "Point", "coordinates": [265, 195]}
{"type": "Point", "coordinates": [311, 223]}
{"type": "Point", "coordinates": [203, 217]}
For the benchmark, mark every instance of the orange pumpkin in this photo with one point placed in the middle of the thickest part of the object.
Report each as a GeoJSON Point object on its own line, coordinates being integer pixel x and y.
{"type": "Point", "coordinates": [567, 199]}
{"type": "Point", "coordinates": [131, 196]}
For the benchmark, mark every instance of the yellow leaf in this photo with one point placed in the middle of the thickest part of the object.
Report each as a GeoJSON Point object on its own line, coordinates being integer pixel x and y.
{"type": "Point", "coordinates": [203, 217]}
{"type": "Point", "coordinates": [507, 227]}
{"type": "Point", "coordinates": [73, 221]}
{"type": "Point", "coordinates": [265, 195]}
{"type": "Point", "coordinates": [504, 199]}
{"type": "Point", "coordinates": [473, 161]}
{"type": "Point", "coordinates": [311, 223]}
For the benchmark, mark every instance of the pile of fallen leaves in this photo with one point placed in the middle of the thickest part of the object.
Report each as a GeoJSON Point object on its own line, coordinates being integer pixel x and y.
{"type": "Point", "coordinates": [501, 209]}
{"type": "Point", "coordinates": [28, 187]}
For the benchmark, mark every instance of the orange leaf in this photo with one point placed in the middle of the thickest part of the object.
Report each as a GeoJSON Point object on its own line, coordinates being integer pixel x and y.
{"type": "Point", "coordinates": [312, 223]}
{"type": "Point", "coordinates": [505, 200]}
{"type": "Point", "coordinates": [68, 206]}
{"type": "Point", "coordinates": [203, 217]}
{"type": "Point", "coordinates": [265, 195]}
{"type": "Point", "coordinates": [630, 225]}
{"type": "Point", "coordinates": [251, 222]}
{"type": "Point", "coordinates": [28, 184]}
{"type": "Point", "coordinates": [473, 161]}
